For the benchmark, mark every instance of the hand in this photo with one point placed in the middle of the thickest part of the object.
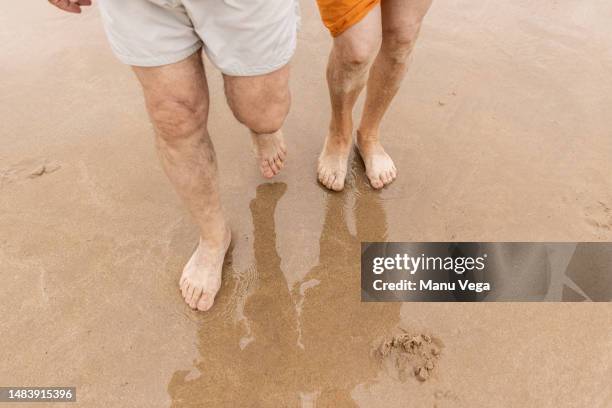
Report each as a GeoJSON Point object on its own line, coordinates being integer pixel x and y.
{"type": "Point", "coordinates": [71, 6]}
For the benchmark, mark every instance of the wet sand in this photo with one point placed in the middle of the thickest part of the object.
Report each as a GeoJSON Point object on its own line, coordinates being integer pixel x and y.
{"type": "Point", "coordinates": [501, 132]}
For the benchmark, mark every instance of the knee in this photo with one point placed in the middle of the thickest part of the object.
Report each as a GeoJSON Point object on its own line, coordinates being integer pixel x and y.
{"type": "Point", "coordinates": [264, 113]}
{"type": "Point", "coordinates": [356, 55]}
{"type": "Point", "coordinates": [399, 42]}
{"type": "Point", "coordinates": [178, 118]}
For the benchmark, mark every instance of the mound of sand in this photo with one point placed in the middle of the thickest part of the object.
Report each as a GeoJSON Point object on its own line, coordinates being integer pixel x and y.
{"type": "Point", "coordinates": [405, 355]}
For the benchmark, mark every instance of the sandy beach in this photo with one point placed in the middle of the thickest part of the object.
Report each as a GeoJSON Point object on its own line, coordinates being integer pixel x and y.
{"type": "Point", "coordinates": [501, 132]}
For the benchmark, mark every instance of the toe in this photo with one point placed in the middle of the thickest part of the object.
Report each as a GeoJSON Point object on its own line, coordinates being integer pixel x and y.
{"type": "Point", "coordinates": [323, 176]}
{"type": "Point", "coordinates": [195, 297]}
{"type": "Point", "coordinates": [273, 166]}
{"type": "Point", "coordinates": [337, 186]}
{"type": "Point", "coordinates": [184, 288]}
{"type": "Point", "coordinates": [330, 181]}
{"type": "Point", "coordinates": [205, 302]}
{"type": "Point", "coordinates": [266, 171]}
{"type": "Point", "coordinates": [389, 177]}
{"type": "Point", "coordinates": [376, 182]}
{"type": "Point", "coordinates": [383, 177]}
{"type": "Point", "coordinates": [386, 178]}
{"type": "Point", "coordinates": [189, 294]}
{"type": "Point", "coordinates": [279, 162]}
{"type": "Point", "coordinates": [338, 183]}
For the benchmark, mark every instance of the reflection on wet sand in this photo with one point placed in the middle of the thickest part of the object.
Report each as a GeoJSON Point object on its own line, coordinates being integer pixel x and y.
{"type": "Point", "coordinates": [311, 344]}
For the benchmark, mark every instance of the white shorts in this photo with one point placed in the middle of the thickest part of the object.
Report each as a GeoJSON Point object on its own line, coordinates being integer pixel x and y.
{"type": "Point", "coordinates": [240, 37]}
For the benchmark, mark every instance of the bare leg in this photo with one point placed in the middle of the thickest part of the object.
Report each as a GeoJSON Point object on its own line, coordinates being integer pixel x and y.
{"type": "Point", "coordinates": [177, 100]}
{"type": "Point", "coordinates": [262, 103]}
{"type": "Point", "coordinates": [347, 71]}
{"type": "Point", "coordinates": [401, 21]}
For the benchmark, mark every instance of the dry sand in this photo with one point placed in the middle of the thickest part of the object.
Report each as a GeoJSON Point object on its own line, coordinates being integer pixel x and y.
{"type": "Point", "coordinates": [501, 132]}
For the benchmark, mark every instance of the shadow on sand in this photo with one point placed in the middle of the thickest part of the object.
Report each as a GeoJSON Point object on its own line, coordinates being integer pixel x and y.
{"type": "Point", "coordinates": [313, 341]}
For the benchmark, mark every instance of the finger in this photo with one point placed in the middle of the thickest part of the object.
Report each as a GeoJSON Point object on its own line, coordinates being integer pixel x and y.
{"type": "Point", "coordinates": [66, 5]}
{"type": "Point", "coordinates": [85, 2]}
{"type": "Point", "coordinates": [73, 8]}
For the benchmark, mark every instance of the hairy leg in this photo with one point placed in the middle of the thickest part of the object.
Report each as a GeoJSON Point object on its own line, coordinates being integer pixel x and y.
{"type": "Point", "coordinates": [401, 22]}
{"type": "Point", "coordinates": [176, 96]}
{"type": "Point", "coordinates": [262, 103]}
{"type": "Point", "coordinates": [347, 69]}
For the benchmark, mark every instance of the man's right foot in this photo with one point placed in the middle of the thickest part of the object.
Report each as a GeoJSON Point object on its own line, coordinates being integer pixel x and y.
{"type": "Point", "coordinates": [271, 152]}
{"type": "Point", "coordinates": [201, 278]}
{"type": "Point", "coordinates": [333, 161]}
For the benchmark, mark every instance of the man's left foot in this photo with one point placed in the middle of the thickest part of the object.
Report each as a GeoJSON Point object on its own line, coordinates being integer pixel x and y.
{"type": "Point", "coordinates": [379, 167]}
{"type": "Point", "coordinates": [271, 152]}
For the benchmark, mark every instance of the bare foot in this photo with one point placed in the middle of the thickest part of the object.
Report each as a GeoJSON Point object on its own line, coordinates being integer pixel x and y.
{"type": "Point", "coordinates": [271, 152]}
{"type": "Point", "coordinates": [201, 278]}
{"type": "Point", "coordinates": [333, 161]}
{"type": "Point", "coordinates": [379, 166]}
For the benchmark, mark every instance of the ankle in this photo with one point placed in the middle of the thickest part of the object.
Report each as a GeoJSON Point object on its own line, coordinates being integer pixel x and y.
{"type": "Point", "coordinates": [336, 143]}
{"type": "Point", "coordinates": [215, 234]}
{"type": "Point", "coordinates": [365, 136]}
{"type": "Point", "coordinates": [338, 136]}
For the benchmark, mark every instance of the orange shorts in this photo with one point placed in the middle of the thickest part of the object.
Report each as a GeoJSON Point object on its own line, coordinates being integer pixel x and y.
{"type": "Point", "coordinates": [339, 15]}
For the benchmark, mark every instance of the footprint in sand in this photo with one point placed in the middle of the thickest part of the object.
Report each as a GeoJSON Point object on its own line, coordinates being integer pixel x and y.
{"type": "Point", "coordinates": [446, 398]}
{"type": "Point", "coordinates": [599, 216]}
{"type": "Point", "coordinates": [28, 169]}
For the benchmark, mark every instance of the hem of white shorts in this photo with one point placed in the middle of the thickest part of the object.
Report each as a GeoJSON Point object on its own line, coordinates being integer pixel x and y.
{"type": "Point", "coordinates": [160, 59]}
{"type": "Point", "coordinates": [257, 70]}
